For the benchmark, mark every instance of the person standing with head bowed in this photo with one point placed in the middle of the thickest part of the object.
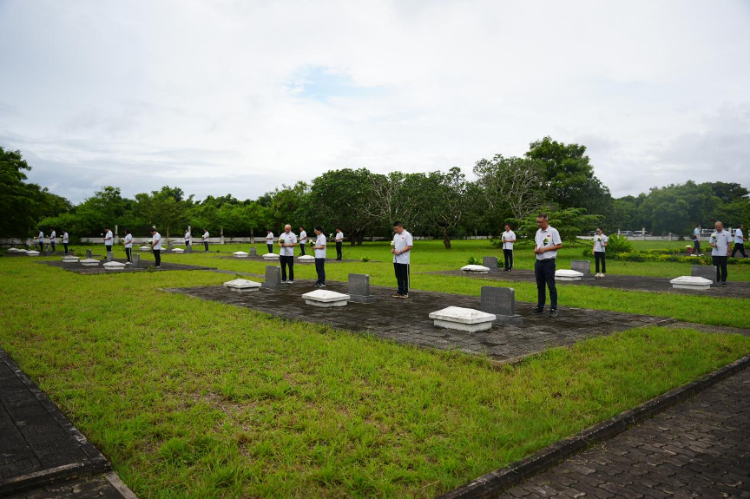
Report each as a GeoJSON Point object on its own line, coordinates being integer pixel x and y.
{"type": "Point", "coordinates": [287, 242]}
{"type": "Point", "coordinates": [509, 239]}
{"type": "Point", "coordinates": [65, 239]}
{"type": "Point", "coordinates": [302, 240]}
{"type": "Point", "coordinates": [109, 240]}
{"type": "Point", "coordinates": [600, 247]}
{"type": "Point", "coordinates": [339, 243]}
{"type": "Point", "coordinates": [319, 248]}
{"type": "Point", "coordinates": [205, 239]}
{"type": "Point", "coordinates": [156, 247]}
{"type": "Point", "coordinates": [547, 242]}
{"type": "Point", "coordinates": [269, 241]}
{"type": "Point", "coordinates": [402, 243]}
{"type": "Point", "coordinates": [739, 241]}
{"type": "Point", "coordinates": [721, 242]}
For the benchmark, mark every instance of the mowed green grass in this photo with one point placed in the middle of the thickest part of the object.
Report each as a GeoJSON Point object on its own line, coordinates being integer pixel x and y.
{"type": "Point", "coordinates": [190, 398]}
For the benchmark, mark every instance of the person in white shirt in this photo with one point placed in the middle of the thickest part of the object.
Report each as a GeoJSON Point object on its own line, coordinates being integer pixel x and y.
{"type": "Point", "coordinates": [128, 242]}
{"type": "Point", "coordinates": [721, 242]}
{"type": "Point", "coordinates": [319, 248]}
{"type": "Point", "coordinates": [739, 242]}
{"type": "Point", "coordinates": [546, 243]}
{"type": "Point", "coordinates": [205, 239]}
{"type": "Point", "coordinates": [53, 240]}
{"type": "Point", "coordinates": [302, 240]}
{"type": "Point", "coordinates": [339, 243]}
{"type": "Point", "coordinates": [109, 240]}
{"type": "Point", "coordinates": [509, 238]}
{"type": "Point", "coordinates": [156, 246]}
{"type": "Point", "coordinates": [287, 242]}
{"type": "Point", "coordinates": [269, 241]}
{"type": "Point", "coordinates": [40, 240]}
{"type": "Point", "coordinates": [65, 239]}
{"type": "Point", "coordinates": [697, 240]}
{"type": "Point", "coordinates": [600, 244]}
{"type": "Point", "coordinates": [187, 238]}
{"type": "Point", "coordinates": [402, 245]}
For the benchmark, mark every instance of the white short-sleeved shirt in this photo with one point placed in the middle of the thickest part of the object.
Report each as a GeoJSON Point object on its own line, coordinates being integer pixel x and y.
{"type": "Point", "coordinates": [65, 237]}
{"type": "Point", "coordinates": [697, 233]}
{"type": "Point", "coordinates": [599, 242]}
{"type": "Point", "coordinates": [269, 238]}
{"type": "Point", "coordinates": [285, 238]}
{"type": "Point", "coordinates": [109, 239]}
{"type": "Point", "coordinates": [737, 236]}
{"type": "Point", "coordinates": [53, 237]}
{"type": "Point", "coordinates": [400, 243]}
{"type": "Point", "coordinates": [320, 241]}
{"type": "Point", "coordinates": [128, 240]}
{"type": "Point", "coordinates": [508, 235]}
{"type": "Point", "coordinates": [205, 236]}
{"type": "Point", "coordinates": [723, 242]}
{"type": "Point", "coordinates": [187, 236]}
{"type": "Point", "coordinates": [339, 237]}
{"type": "Point", "coordinates": [544, 238]}
{"type": "Point", "coordinates": [303, 237]}
{"type": "Point", "coordinates": [156, 240]}
{"type": "Point", "coordinates": [41, 236]}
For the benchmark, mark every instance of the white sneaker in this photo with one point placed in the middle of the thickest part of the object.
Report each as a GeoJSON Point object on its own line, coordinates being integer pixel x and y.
{"type": "Point", "coordinates": [290, 282]}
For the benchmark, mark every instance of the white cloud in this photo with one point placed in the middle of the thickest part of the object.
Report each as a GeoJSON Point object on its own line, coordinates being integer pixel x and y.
{"type": "Point", "coordinates": [241, 97]}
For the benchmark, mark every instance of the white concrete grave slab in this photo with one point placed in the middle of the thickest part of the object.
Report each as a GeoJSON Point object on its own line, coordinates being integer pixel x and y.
{"type": "Point", "coordinates": [114, 266]}
{"type": "Point", "coordinates": [178, 250]}
{"type": "Point", "coordinates": [90, 262]}
{"type": "Point", "coordinates": [306, 259]}
{"type": "Point", "coordinates": [568, 275]}
{"type": "Point", "coordinates": [13, 250]}
{"type": "Point", "coordinates": [463, 319]}
{"type": "Point", "coordinates": [323, 298]}
{"type": "Point", "coordinates": [475, 269]}
{"type": "Point", "coordinates": [691, 282]}
{"type": "Point", "coordinates": [270, 256]}
{"type": "Point", "coordinates": [32, 253]}
{"type": "Point", "coordinates": [71, 259]}
{"type": "Point", "coordinates": [239, 254]}
{"type": "Point", "coordinates": [145, 248]}
{"type": "Point", "coordinates": [242, 285]}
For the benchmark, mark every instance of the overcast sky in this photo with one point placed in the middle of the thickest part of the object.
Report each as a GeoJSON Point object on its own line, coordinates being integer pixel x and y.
{"type": "Point", "coordinates": [240, 97]}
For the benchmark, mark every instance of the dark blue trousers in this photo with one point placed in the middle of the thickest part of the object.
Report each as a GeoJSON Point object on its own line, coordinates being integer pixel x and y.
{"type": "Point", "coordinates": [545, 276]}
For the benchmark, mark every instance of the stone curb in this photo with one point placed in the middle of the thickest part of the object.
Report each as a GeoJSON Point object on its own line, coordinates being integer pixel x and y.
{"type": "Point", "coordinates": [495, 482]}
{"type": "Point", "coordinates": [94, 464]}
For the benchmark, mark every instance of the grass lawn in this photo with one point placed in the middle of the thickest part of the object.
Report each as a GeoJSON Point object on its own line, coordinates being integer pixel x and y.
{"type": "Point", "coordinates": [191, 398]}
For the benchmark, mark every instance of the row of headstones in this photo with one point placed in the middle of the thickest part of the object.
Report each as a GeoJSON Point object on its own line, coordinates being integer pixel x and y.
{"type": "Point", "coordinates": [497, 305]}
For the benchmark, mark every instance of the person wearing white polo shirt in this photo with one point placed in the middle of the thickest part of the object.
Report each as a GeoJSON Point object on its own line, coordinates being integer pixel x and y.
{"type": "Point", "coordinates": [53, 240]}
{"type": "Point", "coordinates": [721, 242]}
{"type": "Point", "coordinates": [319, 248]}
{"type": "Point", "coordinates": [156, 246]}
{"type": "Point", "coordinates": [402, 245]}
{"type": "Point", "coordinates": [546, 243]}
{"type": "Point", "coordinates": [697, 240]}
{"type": "Point", "coordinates": [205, 239]}
{"type": "Point", "coordinates": [65, 239]}
{"type": "Point", "coordinates": [40, 240]}
{"type": "Point", "coordinates": [339, 243]}
{"type": "Point", "coordinates": [128, 242]}
{"type": "Point", "coordinates": [109, 240]}
{"type": "Point", "coordinates": [287, 242]}
{"type": "Point", "coordinates": [269, 241]}
{"type": "Point", "coordinates": [739, 242]}
{"type": "Point", "coordinates": [302, 240]}
{"type": "Point", "coordinates": [509, 238]}
{"type": "Point", "coordinates": [188, 236]}
{"type": "Point", "coordinates": [600, 247]}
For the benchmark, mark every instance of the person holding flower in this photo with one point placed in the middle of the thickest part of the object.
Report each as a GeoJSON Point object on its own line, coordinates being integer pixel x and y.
{"type": "Point", "coordinates": [509, 238]}
{"type": "Point", "coordinates": [600, 243]}
{"type": "Point", "coordinates": [319, 248]}
{"type": "Point", "coordinates": [697, 240]}
{"type": "Point", "coordinates": [739, 242]}
{"type": "Point", "coordinates": [339, 243]}
{"type": "Point", "coordinates": [721, 242]}
{"type": "Point", "coordinates": [547, 242]}
{"type": "Point", "coordinates": [401, 247]}
{"type": "Point", "coordinates": [287, 241]}
{"type": "Point", "coordinates": [269, 241]}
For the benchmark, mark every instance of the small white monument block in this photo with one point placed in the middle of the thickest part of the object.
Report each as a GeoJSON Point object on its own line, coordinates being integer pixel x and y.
{"type": "Point", "coordinates": [475, 269]}
{"type": "Point", "coordinates": [90, 262]}
{"type": "Point", "coordinates": [178, 250]}
{"type": "Point", "coordinates": [114, 266]}
{"type": "Point", "coordinates": [306, 259]}
{"type": "Point", "coordinates": [270, 256]}
{"type": "Point", "coordinates": [145, 248]}
{"type": "Point", "coordinates": [323, 298]}
{"type": "Point", "coordinates": [568, 275]}
{"type": "Point", "coordinates": [463, 319]}
{"type": "Point", "coordinates": [70, 259]}
{"type": "Point", "coordinates": [691, 282]}
{"type": "Point", "coordinates": [239, 254]}
{"type": "Point", "coordinates": [32, 253]}
{"type": "Point", "coordinates": [14, 250]}
{"type": "Point", "coordinates": [23, 252]}
{"type": "Point", "coordinates": [242, 285]}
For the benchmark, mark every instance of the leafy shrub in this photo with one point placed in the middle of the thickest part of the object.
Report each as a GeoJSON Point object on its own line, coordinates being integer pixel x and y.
{"type": "Point", "coordinates": [473, 261]}
{"type": "Point", "coordinates": [365, 259]}
{"type": "Point", "coordinates": [619, 244]}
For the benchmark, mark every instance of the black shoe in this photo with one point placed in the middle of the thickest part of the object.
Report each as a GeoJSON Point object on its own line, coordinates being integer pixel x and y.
{"type": "Point", "coordinates": [553, 312]}
{"type": "Point", "coordinates": [538, 311]}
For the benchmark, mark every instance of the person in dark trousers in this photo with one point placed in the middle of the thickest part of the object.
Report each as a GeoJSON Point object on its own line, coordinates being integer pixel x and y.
{"type": "Point", "coordinates": [509, 239]}
{"type": "Point", "coordinates": [128, 242]}
{"type": "Point", "coordinates": [40, 241]}
{"type": "Point", "coordinates": [547, 242]}
{"type": "Point", "coordinates": [287, 242]}
{"type": "Point", "coordinates": [269, 241]}
{"type": "Point", "coordinates": [188, 237]}
{"type": "Point", "coordinates": [697, 240]}
{"type": "Point", "coordinates": [401, 248]}
{"type": "Point", "coordinates": [65, 239]}
{"type": "Point", "coordinates": [302, 240]}
{"type": "Point", "coordinates": [720, 241]}
{"type": "Point", "coordinates": [339, 243]}
{"type": "Point", "coordinates": [53, 240]}
{"type": "Point", "coordinates": [205, 239]}
{"type": "Point", "coordinates": [156, 246]}
{"type": "Point", "coordinates": [600, 247]}
{"type": "Point", "coordinates": [739, 241]}
{"type": "Point", "coordinates": [319, 248]}
{"type": "Point", "coordinates": [109, 240]}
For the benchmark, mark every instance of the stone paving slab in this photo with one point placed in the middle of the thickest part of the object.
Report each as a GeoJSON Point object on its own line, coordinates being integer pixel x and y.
{"type": "Point", "coordinates": [408, 322]}
{"type": "Point", "coordinates": [105, 486]}
{"type": "Point", "coordinates": [699, 448]}
{"type": "Point", "coordinates": [38, 443]}
{"type": "Point", "coordinates": [142, 266]}
{"type": "Point", "coordinates": [733, 289]}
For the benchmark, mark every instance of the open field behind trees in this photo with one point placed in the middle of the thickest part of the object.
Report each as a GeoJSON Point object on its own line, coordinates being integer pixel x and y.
{"type": "Point", "coordinates": [190, 398]}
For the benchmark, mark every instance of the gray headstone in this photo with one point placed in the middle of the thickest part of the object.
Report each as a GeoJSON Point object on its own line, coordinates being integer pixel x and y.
{"type": "Point", "coordinates": [169, 245]}
{"type": "Point", "coordinates": [136, 260]}
{"type": "Point", "coordinates": [502, 303]}
{"type": "Point", "coordinates": [582, 266]}
{"type": "Point", "coordinates": [253, 251]}
{"type": "Point", "coordinates": [189, 248]}
{"type": "Point", "coordinates": [110, 256]}
{"type": "Point", "coordinates": [490, 261]}
{"type": "Point", "coordinates": [705, 271]}
{"type": "Point", "coordinates": [273, 277]}
{"type": "Point", "coordinates": [359, 288]}
{"type": "Point", "coordinates": [88, 253]}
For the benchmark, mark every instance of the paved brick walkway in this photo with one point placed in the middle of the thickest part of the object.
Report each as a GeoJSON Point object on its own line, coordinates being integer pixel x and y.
{"type": "Point", "coordinates": [700, 448]}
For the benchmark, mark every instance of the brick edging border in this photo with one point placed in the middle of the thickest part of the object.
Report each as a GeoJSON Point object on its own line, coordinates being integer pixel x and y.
{"type": "Point", "coordinates": [495, 482]}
